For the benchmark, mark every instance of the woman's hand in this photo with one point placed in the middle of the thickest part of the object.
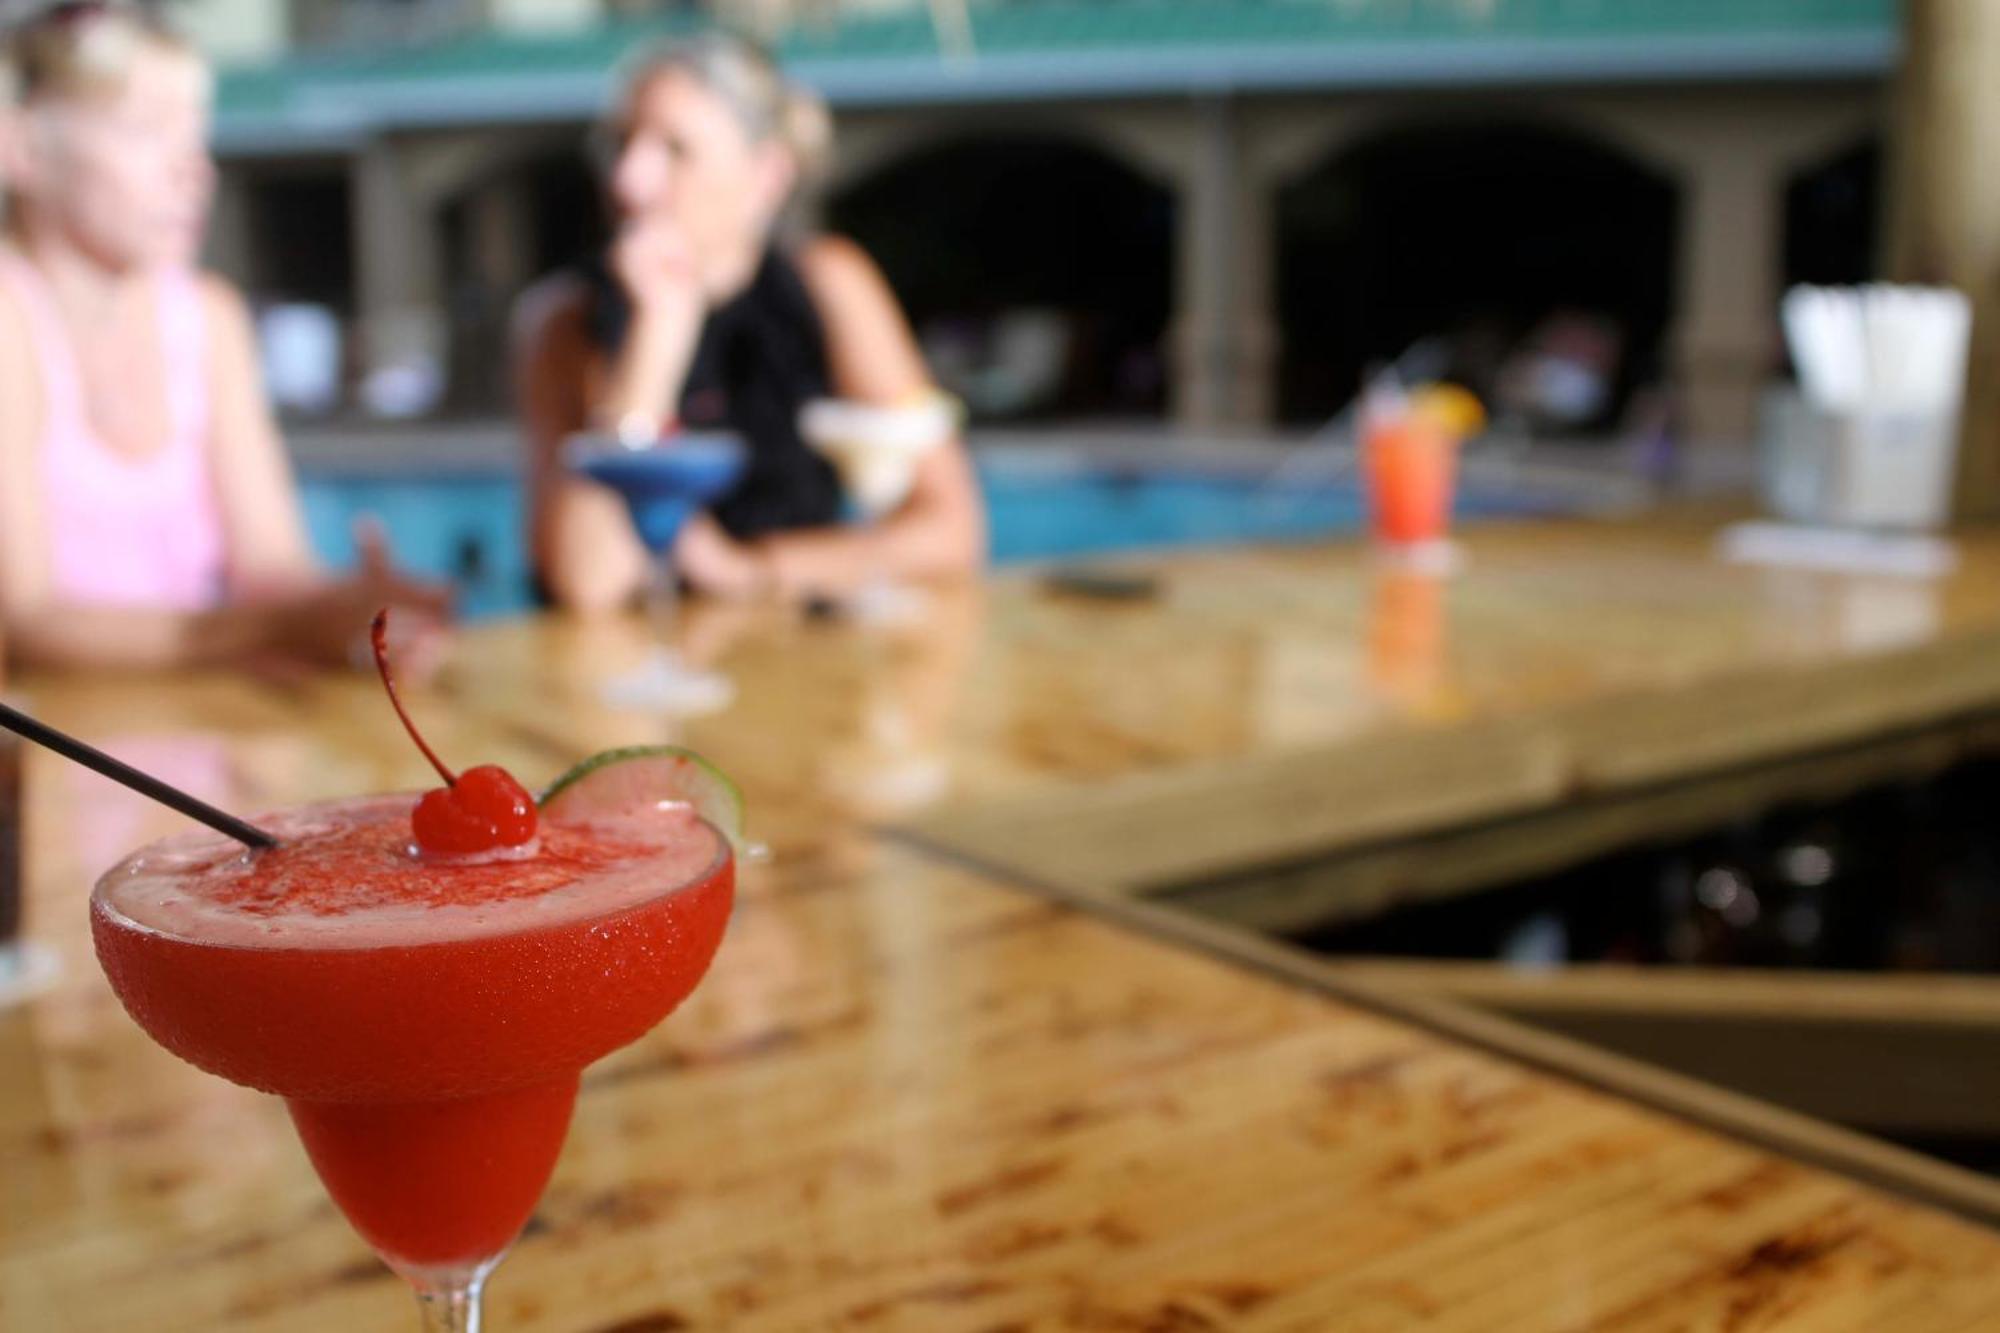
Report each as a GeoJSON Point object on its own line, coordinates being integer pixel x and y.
{"type": "Point", "coordinates": [655, 265]}
{"type": "Point", "coordinates": [717, 564]}
{"type": "Point", "coordinates": [327, 624]}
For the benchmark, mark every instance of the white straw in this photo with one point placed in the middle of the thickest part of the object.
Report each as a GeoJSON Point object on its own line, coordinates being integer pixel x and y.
{"type": "Point", "coordinates": [1880, 347]}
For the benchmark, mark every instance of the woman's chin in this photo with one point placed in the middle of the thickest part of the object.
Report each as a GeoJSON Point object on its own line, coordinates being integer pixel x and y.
{"type": "Point", "coordinates": [120, 258]}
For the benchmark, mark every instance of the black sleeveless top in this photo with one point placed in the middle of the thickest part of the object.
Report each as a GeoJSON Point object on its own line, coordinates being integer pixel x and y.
{"type": "Point", "coordinates": [761, 357]}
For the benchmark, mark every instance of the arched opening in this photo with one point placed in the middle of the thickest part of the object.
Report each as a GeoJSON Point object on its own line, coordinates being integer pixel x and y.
{"type": "Point", "coordinates": [1833, 217]}
{"type": "Point", "coordinates": [538, 214]}
{"type": "Point", "coordinates": [285, 233]}
{"type": "Point", "coordinates": [1511, 246]}
{"type": "Point", "coordinates": [300, 230]}
{"type": "Point", "coordinates": [571, 219]}
{"type": "Point", "coordinates": [1037, 271]}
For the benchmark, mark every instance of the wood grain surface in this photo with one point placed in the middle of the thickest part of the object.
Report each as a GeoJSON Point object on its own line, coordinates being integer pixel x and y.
{"type": "Point", "coordinates": [912, 1096]}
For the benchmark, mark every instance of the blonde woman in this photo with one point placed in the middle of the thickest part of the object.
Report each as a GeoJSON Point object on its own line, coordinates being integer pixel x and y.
{"type": "Point", "coordinates": [147, 511]}
{"type": "Point", "coordinates": [712, 311]}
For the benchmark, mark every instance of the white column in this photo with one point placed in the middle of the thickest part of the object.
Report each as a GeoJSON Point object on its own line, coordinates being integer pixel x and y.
{"type": "Point", "coordinates": [398, 270]}
{"type": "Point", "coordinates": [502, 220]}
{"type": "Point", "coordinates": [1224, 329]}
{"type": "Point", "coordinates": [1725, 340]}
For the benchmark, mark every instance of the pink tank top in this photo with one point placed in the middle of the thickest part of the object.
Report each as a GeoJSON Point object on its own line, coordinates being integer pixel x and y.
{"type": "Point", "coordinates": [125, 531]}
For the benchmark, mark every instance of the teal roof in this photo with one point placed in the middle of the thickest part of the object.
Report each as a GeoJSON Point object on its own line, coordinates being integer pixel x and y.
{"type": "Point", "coordinates": [1075, 48]}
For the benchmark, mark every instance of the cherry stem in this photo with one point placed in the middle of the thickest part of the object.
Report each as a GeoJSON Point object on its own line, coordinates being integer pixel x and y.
{"type": "Point", "coordinates": [378, 638]}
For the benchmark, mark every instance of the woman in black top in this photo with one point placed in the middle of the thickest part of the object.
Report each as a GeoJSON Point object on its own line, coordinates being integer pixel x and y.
{"type": "Point", "coordinates": [706, 312]}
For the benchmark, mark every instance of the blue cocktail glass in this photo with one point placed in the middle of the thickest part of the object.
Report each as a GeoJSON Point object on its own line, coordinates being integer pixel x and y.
{"type": "Point", "coordinates": [664, 485]}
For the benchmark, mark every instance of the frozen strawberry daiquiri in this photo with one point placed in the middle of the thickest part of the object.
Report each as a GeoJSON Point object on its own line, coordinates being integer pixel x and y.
{"type": "Point", "coordinates": [425, 1021]}
{"type": "Point", "coordinates": [426, 1015]}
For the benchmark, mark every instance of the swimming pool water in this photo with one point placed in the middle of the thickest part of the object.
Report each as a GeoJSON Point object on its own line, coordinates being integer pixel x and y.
{"type": "Point", "coordinates": [468, 529]}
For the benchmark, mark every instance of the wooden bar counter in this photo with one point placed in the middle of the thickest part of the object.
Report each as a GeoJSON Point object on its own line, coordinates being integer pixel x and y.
{"type": "Point", "coordinates": [1577, 687]}
{"type": "Point", "coordinates": [916, 1095]}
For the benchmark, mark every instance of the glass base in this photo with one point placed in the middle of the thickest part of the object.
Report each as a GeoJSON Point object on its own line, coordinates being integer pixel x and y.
{"type": "Point", "coordinates": [888, 604]}
{"type": "Point", "coordinates": [1438, 556]}
{"type": "Point", "coordinates": [666, 684]}
{"type": "Point", "coordinates": [26, 970]}
{"type": "Point", "coordinates": [892, 784]}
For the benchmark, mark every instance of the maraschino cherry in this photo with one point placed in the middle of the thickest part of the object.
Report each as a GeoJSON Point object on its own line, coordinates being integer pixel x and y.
{"type": "Point", "coordinates": [479, 810]}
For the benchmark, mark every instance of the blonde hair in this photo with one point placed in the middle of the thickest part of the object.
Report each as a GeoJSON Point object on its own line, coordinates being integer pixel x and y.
{"type": "Point", "coordinates": [86, 51]}
{"type": "Point", "coordinates": [746, 78]}
{"type": "Point", "coordinates": [83, 52]}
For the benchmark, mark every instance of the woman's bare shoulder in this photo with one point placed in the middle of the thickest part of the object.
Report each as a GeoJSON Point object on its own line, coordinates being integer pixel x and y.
{"type": "Point", "coordinates": [220, 297]}
{"type": "Point", "coordinates": [837, 266]}
{"type": "Point", "coordinates": [231, 350]}
{"type": "Point", "coordinates": [873, 355]}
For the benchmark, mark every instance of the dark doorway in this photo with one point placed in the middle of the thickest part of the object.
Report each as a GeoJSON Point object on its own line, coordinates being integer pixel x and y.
{"type": "Point", "coordinates": [302, 230]}
{"type": "Point", "coordinates": [1037, 271]}
{"type": "Point", "coordinates": [1833, 218]}
{"type": "Point", "coordinates": [1482, 236]}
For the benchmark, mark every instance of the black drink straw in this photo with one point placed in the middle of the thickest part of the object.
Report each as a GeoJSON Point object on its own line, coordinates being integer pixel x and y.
{"type": "Point", "coordinates": [143, 783]}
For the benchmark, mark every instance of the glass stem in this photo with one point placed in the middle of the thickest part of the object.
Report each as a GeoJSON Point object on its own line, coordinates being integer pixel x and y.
{"type": "Point", "coordinates": [453, 1308]}
{"type": "Point", "coordinates": [663, 597]}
